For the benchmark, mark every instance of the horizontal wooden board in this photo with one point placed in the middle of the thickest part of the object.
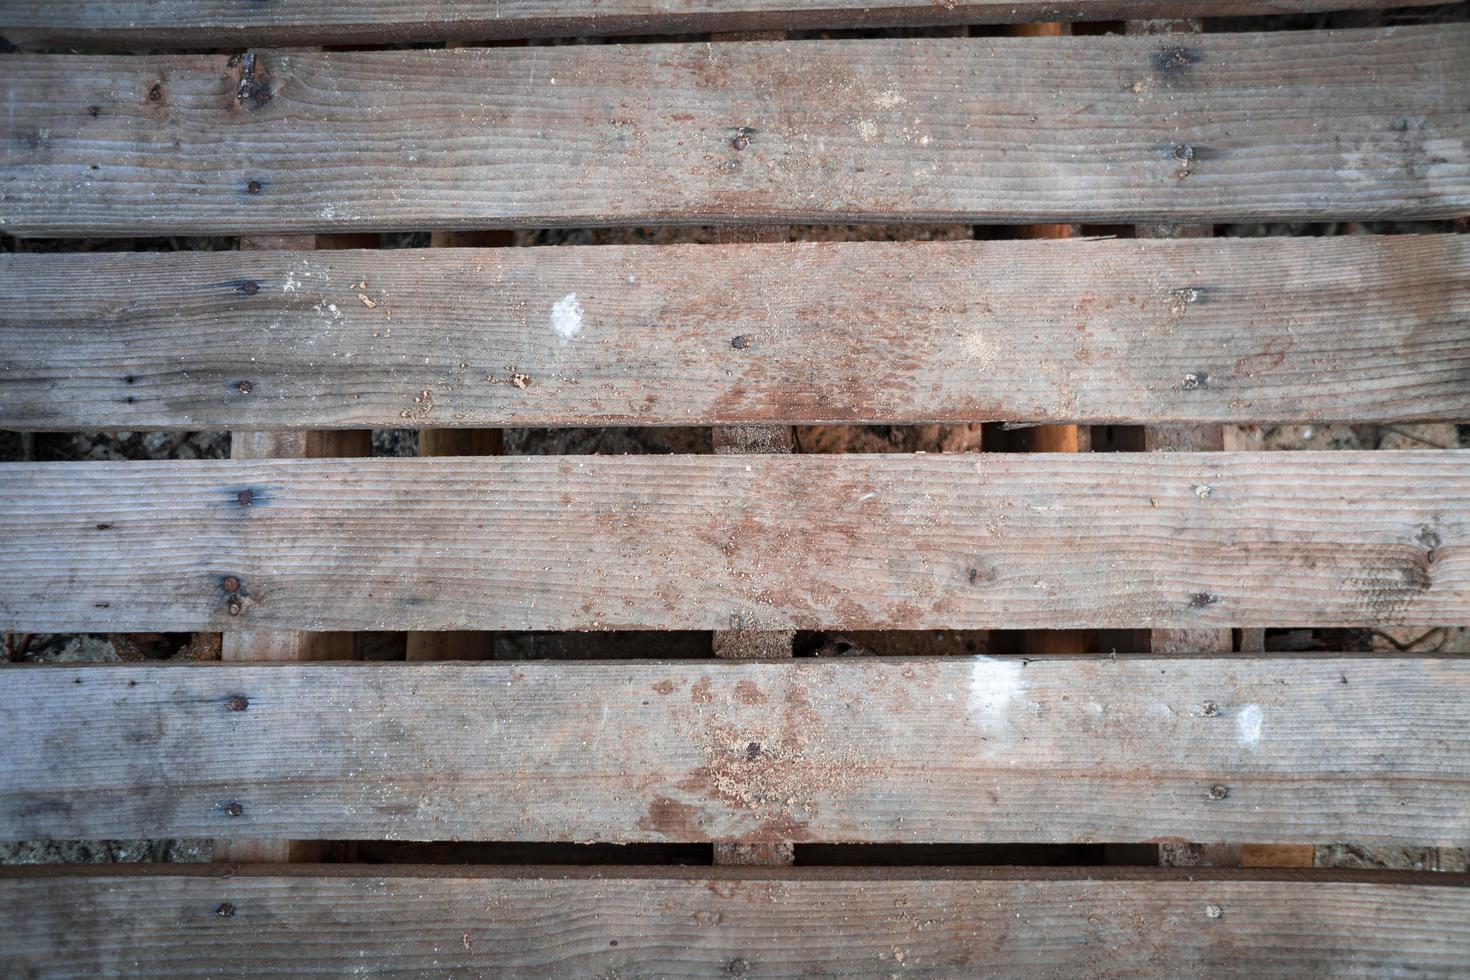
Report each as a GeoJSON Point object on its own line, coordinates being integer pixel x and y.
{"type": "Point", "coordinates": [225, 23]}
{"type": "Point", "coordinates": [1309, 125]}
{"type": "Point", "coordinates": [720, 923]}
{"type": "Point", "coordinates": [1051, 750]}
{"type": "Point", "coordinates": [1368, 329]}
{"type": "Point", "coordinates": [968, 541]}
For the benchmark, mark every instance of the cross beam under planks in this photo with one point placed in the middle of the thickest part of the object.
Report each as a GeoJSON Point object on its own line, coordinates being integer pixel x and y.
{"type": "Point", "coordinates": [975, 541]}
{"type": "Point", "coordinates": [914, 750]}
{"type": "Point", "coordinates": [1367, 329]}
{"type": "Point", "coordinates": [1291, 125]}
{"type": "Point", "coordinates": [221, 23]}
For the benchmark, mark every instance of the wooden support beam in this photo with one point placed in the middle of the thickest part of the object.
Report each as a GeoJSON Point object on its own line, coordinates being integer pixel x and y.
{"type": "Point", "coordinates": [459, 644]}
{"type": "Point", "coordinates": [749, 640]}
{"type": "Point", "coordinates": [1109, 129]}
{"type": "Point", "coordinates": [287, 645]}
{"type": "Point", "coordinates": [1181, 438]}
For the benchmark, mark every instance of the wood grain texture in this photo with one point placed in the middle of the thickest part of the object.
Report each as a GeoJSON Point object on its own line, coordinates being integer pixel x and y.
{"type": "Point", "coordinates": [965, 750]}
{"type": "Point", "coordinates": [1366, 329]}
{"type": "Point", "coordinates": [700, 923]}
{"type": "Point", "coordinates": [1309, 125]}
{"type": "Point", "coordinates": [965, 541]}
{"type": "Point", "coordinates": [228, 23]}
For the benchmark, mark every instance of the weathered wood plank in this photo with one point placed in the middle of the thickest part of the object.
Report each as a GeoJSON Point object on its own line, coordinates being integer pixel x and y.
{"type": "Point", "coordinates": [1294, 124]}
{"type": "Point", "coordinates": [555, 922]}
{"type": "Point", "coordinates": [1367, 329]}
{"type": "Point", "coordinates": [1058, 541]}
{"type": "Point", "coordinates": [950, 749]}
{"type": "Point", "coordinates": [228, 23]}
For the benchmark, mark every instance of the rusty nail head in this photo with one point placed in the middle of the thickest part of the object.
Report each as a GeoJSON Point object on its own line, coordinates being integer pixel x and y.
{"type": "Point", "coordinates": [225, 910]}
{"type": "Point", "coordinates": [741, 342]}
{"type": "Point", "coordinates": [234, 809]}
{"type": "Point", "coordinates": [239, 702]}
{"type": "Point", "coordinates": [253, 187]}
{"type": "Point", "coordinates": [245, 387]}
{"type": "Point", "coordinates": [740, 142]}
{"type": "Point", "coordinates": [234, 607]}
{"type": "Point", "coordinates": [1219, 791]}
{"type": "Point", "coordinates": [231, 584]}
{"type": "Point", "coordinates": [1211, 709]}
{"type": "Point", "coordinates": [246, 497]}
{"type": "Point", "coordinates": [738, 967]}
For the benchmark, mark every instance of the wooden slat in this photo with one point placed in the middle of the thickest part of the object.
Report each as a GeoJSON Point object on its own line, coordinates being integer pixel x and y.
{"type": "Point", "coordinates": [1367, 329]}
{"type": "Point", "coordinates": [920, 750]}
{"type": "Point", "coordinates": [556, 922]}
{"type": "Point", "coordinates": [223, 23]}
{"type": "Point", "coordinates": [1307, 125]}
{"type": "Point", "coordinates": [1119, 541]}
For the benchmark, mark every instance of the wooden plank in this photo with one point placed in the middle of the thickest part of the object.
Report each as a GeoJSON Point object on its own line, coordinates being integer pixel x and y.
{"type": "Point", "coordinates": [1367, 329]}
{"type": "Point", "coordinates": [915, 750]}
{"type": "Point", "coordinates": [1290, 125]}
{"type": "Point", "coordinates": [555, 922]}
{"type": "Point", "coordinates": [223, 23]}
{"type": "Point", "coordinates": [1058, 541]}
{"type": "Point", "coordinates": [1052, 438]}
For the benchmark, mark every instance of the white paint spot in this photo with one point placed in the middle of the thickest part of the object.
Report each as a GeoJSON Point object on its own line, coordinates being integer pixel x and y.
{"type": "Point", "coordinates": [566, 317]}
{"type": "Point", "coordinates": [994, 686]}
{"type": "Point", "coordinates": [291, 284]}
{"type": "Point", "coordinates": [1248, 725]}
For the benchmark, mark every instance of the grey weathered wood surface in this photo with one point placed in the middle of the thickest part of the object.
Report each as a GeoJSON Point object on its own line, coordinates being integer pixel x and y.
{"type": "Point", "coordinates": [1368, 329]}
{"type": "Point", "coordinates": [717, 923]}
{"type": "Point", "coordinates": [1309, 125]}
{"type": "Point", "coordinates": [222, 23]}
{"type": "Point", "coordinates": [965, 541]}
{"type": "Point", "coordinates": [975, 750]}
